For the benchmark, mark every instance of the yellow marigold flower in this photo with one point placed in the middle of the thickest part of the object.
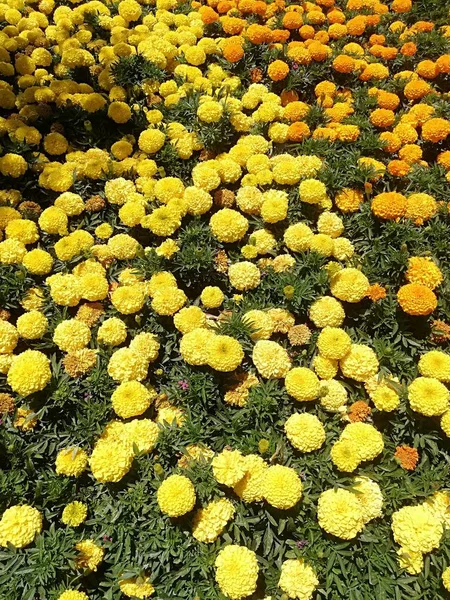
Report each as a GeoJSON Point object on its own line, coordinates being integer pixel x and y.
{"type": "Point", "coordinates": [38, 262]}
{"type": "Point", "coordinates": [424, 271]}
{"type": "Point", "coordinates": [435, 364]}
{"type": "Point", "coordinates": [312, 191]}
{"type": "Point", "coordinates": [127, 365]}
{"type": "Point", "coordinates": [228, 225]}
{"type": "Point", "coordinates": [9, 337]}
{"type": "Point", "coordinates": [168, 300]}
{"type": "Point", "coordinates": [282, 487]}
{"type": "Point", "coordinates": [340, 513]}
{"type": "Point", "coordinates": [71, 335]}
{"type": "Point", "coordinates": [416, 528]}
{"type": "Point", "coordinates": [224, 353]}
{"type": "Point", "coordinates": [333, 343]}
{"type": "Point", "coordinates": [271, 359]}
{"type": "Point", "coordinates": [416, 299]}
{"type": "Point", "coordinates": [12, 251]}
{"type": "Point", "coordinates": [212, 296]}
{"type": "Point", "coordinates": [176, 496]}
{"type": "Point", "coordinates": [29, 372]}
{"type": "Point", "coordinates": [249, 488]}
{"type": "Point", "coordinates": [194, 346]}
{"type": "Point", "coordinates": [72, 595]}
{"type": "Point", "coordinates": [305, 432]}
{"type": "Point", "coordinates": [209, 522]}
{"type": "Point", "coordinates": [236, 571]}
{"type": "Point", "coordinates": [136, 587]}
{"type": "Point", "coordinates": [71, 462]}
{"type": "Point", "coordinates": [112, 332]}
{"type": "Point", "coordinates": [446, 579]}
{"type": "Point", "coordinates": [151, 140]}
{"type": "Point", "coordinates": [131, 399]}
{"type": "Point", "coordinates": [90, 555]}
{"type": "Point", "coordinates": [327, 312]}
{"type": "Point", "coordinates": [190, 318]}
{"type": "Point", "coordinates": [369, 495]}
{"type": "Point", "coordinates": [428, 396]}
{"type": "Point", "coordinates": [345, 456]}
{"type": "Point", "coordinates": [333, 395]}
{"type": "Point", "coordinates": [65, 289]}
{"type": "Point", "coordinates": [128, 299]}
{"type": "Point", "coordinates": [111, 460]}
{"type": "Point", "coordinates": [19, 525]}
{"type": "Point", "coordinates": [302, 384]}
{"type": "Point", "coordinates": [348, 200]}
{"type": "Point", "coordinates": [229, 467]}
{"type": "Point", "coordinates": [32, 325]}
{"type": "Point", "coordinates": [359, 363]}
{"type": "Point", "coordinates": [298, 579]}
{"type": "Point", "coordinates": [349, 284]}
{"type": "Point", "coordinates": [74, 514]}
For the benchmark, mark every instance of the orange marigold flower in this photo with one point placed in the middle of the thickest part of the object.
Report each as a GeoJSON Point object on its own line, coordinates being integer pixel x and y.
{"type": "Point", "coordinates": [343, 64]}
{"type": "Point", "coordinates": [389, 205]}
{"type": "Point", "coordinates": [292, 20]}
{"type": "Point", "coordinates": [224, 6]}
{"type": "Point", "coordinates": [398, 168]}
{"type": "Point", "coordinates": [288, 97]}
{"type": "Point", "coordinates": [443, 63]}
{"type": "Point", "coordinates": [357, 25]}
{"type": "Point", "coordinates": [359, 411]}
{"type": "Point", "coordinates": [435, 130]}
{"type": "Point", "coordinates": [421, 269]}
{"type": "Point", "coordinates": [208, 15]}
{"type": "Point", "coordinates": [322, 37]}
{"type": "Point", "coordinates": [336, 31]}
{"type": "Point", "coordinates": [278, 70]}
{"type": "Point", "coordinates": [388, 53]}
{"type": "Point", "coordinates": [392, 142]}
{"type": "Point", "coordinates": [382, 117]}
{"type": "Point", "coordinates": [298, 131]}
{"type": "Point", "coordinates": [307, 32]}
{"type": "Point", "coordinates": [417, 89]}
{"type": "Point", "coordinates": [348, 200]}
{"type": "Point", "coordinates": [416, 299]}
{"type": "Point", "coordinates": [233, 50]}
{"type": "Point", "coordinates": [258, 34]}
{"type": "Point", "coordinates": [427, 69]}
{"type": "Point", "coordinates": [377, 40]}
{"type": "Point", "coordinates": [256, 75]}
{"type": "Point", "coordinates": [280, 35]}
{"type": "Point", "coordinates": [387, 100]}
{"type": "Point", "coordinates": [376, 292]}
{"type": "Point", "coordinates": [410, 153]}
{"type": "Point", "coordinates": [336, 16]}
{"type": "Point", "coordinates": [407, 457]}
{"type": "Point", "coordinates": [440, 332]}
{"type": "Point", "coordinates": [422, 26]}
{"type": "Point", "coordinates": [444, 159]}
{"type": "Point", "coordinates": [408, 49]}
{"type": "Point", "coordinates": [233, 25]}
{"type": "Point", "coordinates": [420, 207]}
{"type": "Point", "coordinates": [401, 6]}
{"type": "Point", "coordinates": [318, 51]}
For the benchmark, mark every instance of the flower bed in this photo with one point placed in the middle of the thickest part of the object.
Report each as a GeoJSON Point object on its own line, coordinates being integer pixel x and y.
{"type": "Point", "coordinates": [224, 300]}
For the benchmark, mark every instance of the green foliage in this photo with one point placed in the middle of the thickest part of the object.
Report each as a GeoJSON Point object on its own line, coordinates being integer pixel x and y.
{"type": "Point", "coordinates": [134, 70]}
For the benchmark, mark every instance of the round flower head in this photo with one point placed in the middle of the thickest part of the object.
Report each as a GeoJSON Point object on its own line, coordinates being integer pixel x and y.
{"type": "Point", "coordinates": [74, 514]}
{"type": "Point", "coordinates": [435, 364]}
{"type": "Point", "coordinates": [131, 399]}
{"type": "Point", "coordinates": [236, 571]}
{"type": "Point", "coordinates": [417, 528]}
{"type": "Point", "coordinates": [271, 359]}
{"type": "Point", "coordinates": [209, 522]}
{"type": "Point", "coordinates": [71, 462]}
{"type": "Point", "coordinates": [282, 487]}
{"type": "Point", "coordinates": [340, 513]}
{"type": "Point", "coordinates": [29, 372]}
{"type": "Point", "coordinates": [190, 318]}
{"type": "Point", "coordinates": [416, 299]}
{"type": "Point", "coordinates": [176, 496]}
{"type": "Point", "coordinates": [127, 365]}
{"type": "Point", "coordinates": [327, 312]}
{"type": "Point", "coordinates": [298, 579]}
{"type": "Point", "coordinates": [349, 285]}
{"type": "Point", "coordinates": [333, 343]}
{"type": "Point", "coordinates": [229, 467]}
{"type": "Point", "coordinates": [71, 335]}
{"type": "Point", "coordinates": [446, 579]}
{"type": "Point", "coordinates": [305, 432]}
{"type": "Point", "coordinates": [19, 525]}
{"type": "Point", "coordinates": [224, 353]}
{"type": "Point", "coordinates": [249, 487]}
{"type": "Point", "coordinates": [228, 225]}
{"type": "Point", "coordinates": [194, 346]}
{"type": "Point", "coordinates": [9, 337]}
{"type": "Point", "coordinates": [359, 363]}
{"type": "Point", "coordinates": [90, 555]}
{"type": "Point", "coordinates": [333, 395]}
{"type": "Point", "coordinates": [111, 460]}
{"type": "Point", "coordinates": [428, 396]}
{"type": "Point", "coordinates": [370, 497]}
{"type": "Point", "coordinates": [212, 297]}
{"type": "Point", "coordinates": [302, 384]}
{"type": "Point", "coordinates": [244, 276]}
{"type": "Point", "coordinates": [32, 325]}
